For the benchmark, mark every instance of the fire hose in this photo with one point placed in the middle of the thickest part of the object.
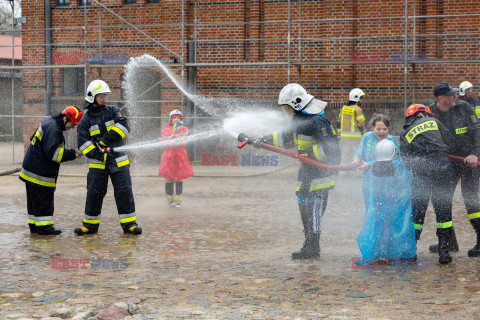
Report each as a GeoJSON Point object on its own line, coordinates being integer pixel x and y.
{"type": "Point", "coordinates": [320, 165]}
{"type": "Point", "coordinates": [461, 159]}
{"type": "Point", "coordinates": [302, 158]}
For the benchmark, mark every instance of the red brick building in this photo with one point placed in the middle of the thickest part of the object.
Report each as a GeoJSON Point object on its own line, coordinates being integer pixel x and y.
{"type": "Point", "coordinates": [252, 48]}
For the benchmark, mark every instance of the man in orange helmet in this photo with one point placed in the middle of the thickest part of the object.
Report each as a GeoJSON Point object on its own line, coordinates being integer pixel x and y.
{"type": "Point", "coordinates": [41, 165]}
{"type": "Point", "coordinates": [425, 144]}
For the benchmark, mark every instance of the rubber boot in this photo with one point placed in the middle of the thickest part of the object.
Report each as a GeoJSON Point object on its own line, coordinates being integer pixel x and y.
{"type": "Point", "coordinates": [133, 230]}
{"type": "Point", "coordinates": [417, 234]}
{"type": "Point", "coordinates": [33, 228]}
{"type": "Point", "coordinates": [443, 255]}
{"type": "Point", "coordinates": [475, 251]}
{"type": "Point", "coordinates": [452, 244]}
{"type": "Point", "coordinates": [49, 231]}
{"type": "Point", "coordinates": [310, 249]}
{"type": "Point", "coordinates": [84, 230]}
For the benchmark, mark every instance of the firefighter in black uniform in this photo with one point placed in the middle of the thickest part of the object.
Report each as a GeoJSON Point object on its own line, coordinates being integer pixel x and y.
{"type": "Point", "coordinates": [465, 93]}
{"type": "Point", "coordinates": [460, 119]}
{"type": "Point", "coordinates": [102, 129]}
{"type": "Point", "coordinates": [314, 136]}
{"type": "Point", "coordinates": [424, 145]}
{"type": "Point", "coordinates": [40, 168]}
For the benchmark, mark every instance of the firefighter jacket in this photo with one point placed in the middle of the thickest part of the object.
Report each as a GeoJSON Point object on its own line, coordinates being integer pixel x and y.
{"type": "Point", "coordinates": [45, 153]}
{"type": "Point", "coordinates": [352, 121]}
{"type": "Point", "coordinates": [463, 124]}
{"type": "Point", "coordinates": [474, 103]}
{"type": "Point", "coordinates": [106, 126]}
{"type": "Point", "coordinates": [314, 136]}
{"type": "Point", "coordinates": [423, 137]}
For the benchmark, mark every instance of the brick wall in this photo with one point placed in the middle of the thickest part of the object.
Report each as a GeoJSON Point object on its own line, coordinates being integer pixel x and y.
{"type": "Point", "coordinates": [257, 32]}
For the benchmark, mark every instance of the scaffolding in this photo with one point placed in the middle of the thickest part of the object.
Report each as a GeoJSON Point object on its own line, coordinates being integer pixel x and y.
{"type": "Point", "coordinates": [289, 50]}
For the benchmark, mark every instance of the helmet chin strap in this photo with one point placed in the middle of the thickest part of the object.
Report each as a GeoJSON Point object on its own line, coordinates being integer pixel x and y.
{"type": "Point", "coordinates": [320, 113]}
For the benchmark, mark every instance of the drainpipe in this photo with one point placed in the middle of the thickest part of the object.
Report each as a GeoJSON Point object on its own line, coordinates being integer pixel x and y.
{"type": "Point", "coordinates": [48, 58]}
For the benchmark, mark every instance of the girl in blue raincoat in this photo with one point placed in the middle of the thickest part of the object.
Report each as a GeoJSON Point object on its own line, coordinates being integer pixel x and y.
{"type": "Point", "coordinates": [388, 231]}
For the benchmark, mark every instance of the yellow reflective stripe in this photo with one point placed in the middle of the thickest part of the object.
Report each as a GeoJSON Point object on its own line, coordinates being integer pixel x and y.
{"type": "Point", "coordinates": [110, 127]}
{"type": "Point", "coordinates": [304, 144]}
{"type": "Point", "coordinates": [169, 197]}
{"type": "Point", "coordinates": [37, 181]}
{"type": "Point", "coordinates": [102, 143]}
{"type": "Point", "coordinates": [461, 130]}
{"type": "Point", "coordinates": [31, 221]}
{"type": "Point", "coordinates": [351, 135]}
{"type": "Point", "coordinates": [421, 128]}
{"type": "Point", "coordinates": [322, 185]}
{"type": "Point", "coordinates": [38, 135]}
{"type": "Point", "coordinates": [444, 225]}
{"type": "Point", "coordinates": [88, 149]}
{"type": "Point", "coordinates": [360, 118]}
{"type": "Point", "coordinates": [477, 111]}
{"type": "Point", "coordinates": [96, 165]}
{"type": "Point", "coordinates": [123, 163]}
{"type": "Point", "coordinates": [178, 198]}
{"type": "Point", "coordinates": [317, 153]}
{"type": "Point", "coordinates": [474, 215]}
{"type": "Point", "coordinates": [119, 131]}
{"type": "Point", "coordinates": [125, 220]}
{"type": "Point", "coordinates": [275, 139]}
{"type": "Point", "coordinates": [96, 221]}
{"type": "Point", "coordinates": [60, 154]}
{"type": "Point", "coordinates": [95, 132]}
{"type": "Point", "coordinates": [418, 226]}
{"type": "Point", "coordinates": [43, 223]}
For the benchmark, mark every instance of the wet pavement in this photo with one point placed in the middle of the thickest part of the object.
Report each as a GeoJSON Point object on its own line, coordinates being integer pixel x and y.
{"type": "Point", "coordinates": [224, 255]}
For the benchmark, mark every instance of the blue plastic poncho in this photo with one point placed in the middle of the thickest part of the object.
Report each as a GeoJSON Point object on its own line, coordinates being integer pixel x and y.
{"type": "Point", "coordinates": [388, 231]}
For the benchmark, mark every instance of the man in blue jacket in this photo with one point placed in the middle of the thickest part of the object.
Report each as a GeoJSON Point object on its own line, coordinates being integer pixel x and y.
{"type": "Point", "coordinates": [102, 129]}
{"type": "Point", "coordinates": [41, 165]}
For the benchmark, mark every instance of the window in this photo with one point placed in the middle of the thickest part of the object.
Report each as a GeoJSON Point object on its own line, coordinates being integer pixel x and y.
{"type": "Point", "coordinates": [73, 82]}
{"type": "Point", "coordinates": [130, 1]}
{"type": "Point", "coordinates": [153, 1]}
{"type": "Point", "coordinates": [81, 3]}
{"type": "Point", "coordinates": [62, 3]}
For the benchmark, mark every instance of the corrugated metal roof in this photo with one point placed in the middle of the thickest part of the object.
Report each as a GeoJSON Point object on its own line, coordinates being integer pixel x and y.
{"type": "Point", "coordinates": [6, 47]}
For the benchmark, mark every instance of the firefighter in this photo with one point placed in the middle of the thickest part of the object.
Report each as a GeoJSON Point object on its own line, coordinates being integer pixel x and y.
{"type": "Point", "coordinates": [460, 119]}
{"type": "Point", "coordinates": [41, 165]}
{"type": "Point", "coordinates": [465, 93]}
{"type": "Point", "coordinates": [351, 122]}
{"type": "Point", "coordinates": [424, 144]}
{"type": "Point", "coordinates": [314, 137]}
{"type": "Point", "coordinates": [103, 128]}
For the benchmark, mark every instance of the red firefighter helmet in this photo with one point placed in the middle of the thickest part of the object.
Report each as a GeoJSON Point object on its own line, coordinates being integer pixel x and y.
{"type": "Point", "coordinates": [73, 113]}
{"type": "Point", "coordinates": [414, 108]}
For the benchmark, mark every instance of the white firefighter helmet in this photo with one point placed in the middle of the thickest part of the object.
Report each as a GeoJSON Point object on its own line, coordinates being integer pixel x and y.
{"type": "Point", "coordinates": [174, 112]}
{"type": "Point", "coordinates": [385, 150]}
{"type": "Point", "coordinates": [464, 86]}
{"type": "Point", "coordinates": [96, 87]}
{"type": "Point", "coordinates": [355, 94]}
{"type": "Point", "coordinates": [297, 98]}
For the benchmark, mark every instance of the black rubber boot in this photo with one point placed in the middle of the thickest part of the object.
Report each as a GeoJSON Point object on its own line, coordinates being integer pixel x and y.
{"type": "Point", "coordinates": [417, 234]}
{"type": "Point", "coordinates": [452, 244]}
{"type": "Point", "coordinates": [475, 251]}
{"type": "Point", "coordinates": [310, 249]}
{"type": "Point", "coordinates": [443, 255]}
{"type": "Point", "coordinates": [133, 230]}
{"type": "Point", "coordinates": [48, 231]}
{"type": "Point", "coordinates": [84, 230]}
{"type": "Point", "coordinates": [33, 228]}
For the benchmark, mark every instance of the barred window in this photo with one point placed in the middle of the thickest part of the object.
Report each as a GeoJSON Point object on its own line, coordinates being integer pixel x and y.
{"type": "Point", "coordinates": [130, 1]}
{"type": "Point", "coordinates": [81, 3]}
{"type": "Point", "coordinates": [153, 1]}
{"type": "Point", "coordinates": [73, 82]}
{"type": "Point", "coordinates": [63, 3]}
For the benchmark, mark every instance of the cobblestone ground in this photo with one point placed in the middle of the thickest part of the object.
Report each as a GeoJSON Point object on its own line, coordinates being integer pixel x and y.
{"type": "Point", "coordinates": [224, 255]}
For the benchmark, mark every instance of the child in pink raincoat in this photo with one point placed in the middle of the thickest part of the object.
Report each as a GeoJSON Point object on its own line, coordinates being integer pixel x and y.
{"type": "Point", "coordinates": [175, 166]}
